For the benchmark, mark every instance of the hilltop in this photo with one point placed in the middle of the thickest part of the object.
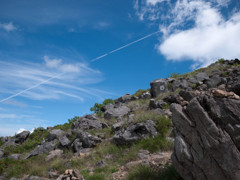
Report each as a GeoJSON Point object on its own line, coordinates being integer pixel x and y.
{"type": "Point", "coordinates": [183, 127]}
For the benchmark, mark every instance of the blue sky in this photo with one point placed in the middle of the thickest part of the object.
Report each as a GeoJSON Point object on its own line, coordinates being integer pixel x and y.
{"type": "Point", "coordinates": [43, 39]}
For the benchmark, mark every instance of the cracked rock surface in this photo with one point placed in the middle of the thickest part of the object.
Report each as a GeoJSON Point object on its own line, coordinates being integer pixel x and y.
{"type": "Point", "coordinates": [207, 143]}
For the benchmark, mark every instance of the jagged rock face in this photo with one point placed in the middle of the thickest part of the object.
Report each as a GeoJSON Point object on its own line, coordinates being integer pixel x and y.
{"type": "Point", "coordinates": [87, 140]}
{"type": "Point", "coordinates": [158, 86]}
{"type": "Point", "coordinates": [135, 132]}
{"type": "Point", "coordinates": [207, 143]}
{"type": "Point", "coordinates": [59, 135]}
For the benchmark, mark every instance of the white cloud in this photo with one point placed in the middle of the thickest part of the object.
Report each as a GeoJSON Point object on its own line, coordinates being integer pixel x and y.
{"type": "Point", "coordinates": [52, 63]}
{"type": "Point", "coordinates": [196, 30]}
{"type": "Point", "coordinates": [72, 82]}
{"type": "Point", "coordinates": [154, 2]}
{"type": "Point", "coordinates": [8, 26]}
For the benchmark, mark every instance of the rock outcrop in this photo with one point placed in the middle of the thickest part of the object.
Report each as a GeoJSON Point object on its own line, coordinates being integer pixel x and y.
{"type": "Point", "coordinates": [135, 132]}
{"type": "Point", "coordinates": [207, 143]}
{"type": "Point", "coordinates": [158, 86]}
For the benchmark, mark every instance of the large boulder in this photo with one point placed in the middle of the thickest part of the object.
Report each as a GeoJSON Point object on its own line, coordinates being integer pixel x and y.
{"type": "Point", "coordinates": [158, 86]}
{"type": "Point", "coordinates": [135, 132]}
{"type": "Point", "coordinates": [44, 148]}
{"type": "Point", "coordinates": [21, 137]}
{"type": "Point", "coordinates": [207, 143]}
{"type": "Point", "coordinates": [86, 124]}
{"type": "Point", "coordinates": [60, 135]}
{"type": "Point", "coordinates": [201, 76]}
{"type": "Point", "coordinates": [214, 81]}
{"type": "Point", "coordinates": [116, 111]}
{"type": "Point", "coordinates": [53, 154]}
{"type": "Point", "coordinates": [87, 140]}
{"type": "Point", "coordinates": [124, 98]}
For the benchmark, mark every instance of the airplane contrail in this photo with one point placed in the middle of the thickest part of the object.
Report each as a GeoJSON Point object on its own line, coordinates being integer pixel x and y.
{"type": "Point", "coordinates": [39, 84]}
{"type": "Point", "coordinates": [129, 44]}
{"type": "Point", "coordinates": [95, 59]}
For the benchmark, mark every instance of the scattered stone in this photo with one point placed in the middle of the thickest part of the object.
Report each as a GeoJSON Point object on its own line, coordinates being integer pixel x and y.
{"type": "Point", "coordinates": [21, 137]}
{"type": "Point", "coordinates": [87, 140]}
{"type": "Point", "coordinates": [145, 95]}
{"type": "Point", "coordinates": [100, 164]}
{"type": "Point", "coordinates": [86, 124]}
{"type": "Point", "coordinates": [92, 116]}
{"type": "Point", "coordinates": [214, 81]}
{"type": "Point", "coordinates": [1, 154]}
{"type": "Point", "coordinates": [71, 175]}
{"type": "Point", "coordinates": [53, 154]}
{"type": "Point", "coordinates": [158, 86]}
{"type": "Point", "coordinates": [53, 174]}
{"type": "Point", "coordinates": [153, 104]}
{"type": "Point", "coordinates": [14, 156]}
{"type": "Point", "coordinates": [221, 93]}
{"type": "Point", "coordinates": [76, 145]}
{"type": "Point", "coordinates": [201, 76]}
{"type": "Point", "coordinates": [135, 132]}
{"type": "Point", "coordinates": [116, 111]}
{"type": "Point", "coordinates": [60, 135]}
{"type": "Point", "coordinates": [188, 95]}
{"type": "Point", "coordinates": [35, 178]}
{"type": "Point", "coordinates": [124, 98]}
{"type": "Point", "coordinates": [117, 126]}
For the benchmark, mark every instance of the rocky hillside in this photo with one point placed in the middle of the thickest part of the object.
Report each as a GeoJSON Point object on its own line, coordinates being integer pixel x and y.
{"type": "Point", "coordinates": [185, 127]}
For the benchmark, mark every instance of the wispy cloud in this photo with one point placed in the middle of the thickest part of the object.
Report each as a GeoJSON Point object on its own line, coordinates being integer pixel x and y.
{"type": "Point", "coordinates": [194, 29]}
{"type": "Point", "coordinates": [53, 79]}
{"type": "Point", "coordinates": [8, 27]}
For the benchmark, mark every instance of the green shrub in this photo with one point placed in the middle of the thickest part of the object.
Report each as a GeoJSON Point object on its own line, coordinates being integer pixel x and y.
{"type": "Point", "coordinates": [163, 126]}
{"type": "Point", "coordinates": [221, 61]}
{"type": "Point", "coordinates": [174, 75]}
{"type": "Point", "coordinates": [235, 64]}
{"type": "Point", "coordinates": [97, 107]}
{"type": "Point", "coordinates": [34, 139]}
{"type": "Point", "coordinates": [145, 172]}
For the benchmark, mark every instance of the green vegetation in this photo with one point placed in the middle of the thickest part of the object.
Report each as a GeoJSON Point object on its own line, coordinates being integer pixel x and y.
{"type": "Point", "coordinates": [221, 61]}
{"type": "Point", "coordinates": [174, 75]}
{"type": "Point", "coordinates": [145, 172]}
{"type": "Point", "coordinates": [1, 142]}
{"type": "Point", "coordinates": [140, 92]}
{"type": "Point", "coordinates": [34, 139]}
{"type": "Point", "coordinates": [68, 125]}
{"type": "Point", "coordinates": [170, 86]}
{"type": "Point", "coordinates": [235, 64]}
{"type": "Point", "coordinates": [97, 107]}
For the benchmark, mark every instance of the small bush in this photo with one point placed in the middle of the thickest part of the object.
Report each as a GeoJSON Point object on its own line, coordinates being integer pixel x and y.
{"type": "Point", "coordinates": [221, 61]}
{"type": "Point", "coordinates": [163, 126]}
{"type": "Point", "coordinates": [145, 172]}
{"type": "Point", "coordinates": [68, 125]}
{"type": "Point", "coordinates": [174, 75]}
{"type": "Point", "coordinates": [235, 64]}
{"type": "Point", "coordinates": [97, 107]}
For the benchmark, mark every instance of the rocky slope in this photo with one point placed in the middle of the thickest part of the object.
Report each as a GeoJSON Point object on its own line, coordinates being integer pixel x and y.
{"type": "Point", "coordinates": [194, 118]}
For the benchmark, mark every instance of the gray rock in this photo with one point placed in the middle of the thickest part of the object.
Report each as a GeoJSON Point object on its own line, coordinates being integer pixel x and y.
{"type": "Point", "coordinates": [100, 164]}
{"type": "Point", "coordinates": [77, 145]}
{"type": "Point", "coordinates": [14, 156]}
{"type": "Point", "coordinates": [163, 112]}
{"type": "Point", "coordinates": [153, 104]}
{"type": "Point", "coordinates": [116, 111]}
{"type": "Point", "coordinates": [135, 132]}
{"type": "Point", "coordinates": [44, 148]}
{"type": "Point", "coordinates": [206, 144]}
{"type": "Point", "coordinates": [158, 87]}
{"type": "Point", "coordinates": [53, 154]}
{"type": "Point", "coordinates": [87, 140]}
{"type": "Point", "coordinates": [55, 134]}
{"type": "Point", "coordinates": [35, 178]}
{"type": "Point", "coordinates": [92, 116]}
{"type": "Point", "coordinates": [86, 124]}
{"type": "Point", "coordinates": [60, 135]}
{"type": "Point", "coordinates": [124, 98]}
{"type": "Point", "coordinates": [13, 178]}
{"type": "Point", "coordinates": [21, 137]}
{"type": "Point", "coordinates": [145, 95]}
{"type": "Point", "coordinates": [188, 95]}
{"type": "Point", "coordinates": [201, 76]}
{"type": "Point", "coordinates": [214, 81]}
{"type": "Point", "coordinates": [1, 154]}
{"type": "Point", "coordinates": [236, 87]}
{"type": "Point", "coordinates": [64, 141]}
{"type": "Point", "coordinates": [117, 126]}
{"type": "Point", "coordinates": [182, 84]}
